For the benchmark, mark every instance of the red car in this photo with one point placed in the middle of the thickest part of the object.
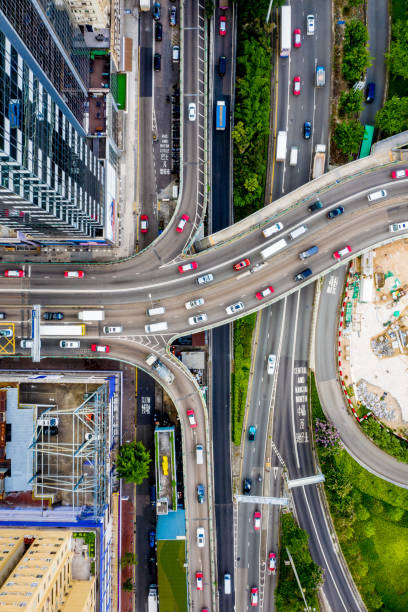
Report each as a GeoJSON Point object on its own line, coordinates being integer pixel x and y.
{"type": "Point", "coordinates": [74, 274]}
{"type": "Point", "coordinates": [296, 85]}
{"type": "Point", "coordinates": [272, 562]}
{"type": "Point", "coordinates": [342, 252]}
{"type": "Point", "coordinates": [223, 25]}
{"type": "Point", "coordinates": [11, 273]}
{"type": "Point", "coordinates": [186, 267]}
{"type": "Point", "coordinates": [396, 174]}
{"type": "Point", "coordinates": [144, 223]}
{"type": "Point", "coordinates": [182, 223]}
{"type": "Point", "coordinates": [264, 293]}
{"type": "Point", "coordinates": [100, 348]}
{"type": "Point", "coordinates": [254, 596]}
{"type": "Point", "coordinates": [242, 264]}
{"type": "Point", "coordinates": [191, 418]}
{"type": "Point", "coordinates": [199, 581]}
{"type": "Point", "coordinates": [257, 520]}
{"type": "Point", "coordinates": [297, 38]}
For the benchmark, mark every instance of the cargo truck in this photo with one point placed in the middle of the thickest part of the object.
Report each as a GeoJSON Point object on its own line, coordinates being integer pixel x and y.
{"type": "Point", "coordinates": [62, 330]}
{"type": "Point", "coordinates": [281, 146]}
{"type": "Point", "coordinates": [285, 31]}
{"type": "Point", "coordinates": [320, 76]}
{"type": "Point", "coordinates": [274, 248]}
{"type": "Point", "coordinates": [319, 160]}
{"type": "Point", "coordinates": [223, 5]}
{"type": "Point", "coordinates": [161, 370]}
{"type": "Point", "coordinates": [91, 315]}
{"type": "Point", "coordinates": [145, 5]}
{"type": "Point", "coordinates": [221, 115]}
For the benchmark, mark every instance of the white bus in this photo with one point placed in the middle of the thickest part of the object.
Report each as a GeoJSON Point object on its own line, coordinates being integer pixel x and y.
{"type": "Point", "coordinates": [285, 31]}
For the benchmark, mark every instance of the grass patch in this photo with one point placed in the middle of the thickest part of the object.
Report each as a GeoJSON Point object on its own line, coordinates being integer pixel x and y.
{"type": "Point", "coordinates": [243, 330]}
{"type": "Point", "coordinates": [371, 521]}
{"type": "Point", "coordinates": [288, 596]}
{"type": "Point", "coordinates": [317, 410]}
{"type": "Point", "coordinates": [171, 573]}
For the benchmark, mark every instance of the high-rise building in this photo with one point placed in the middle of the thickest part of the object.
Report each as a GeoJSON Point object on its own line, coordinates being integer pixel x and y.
{"type": "Point", "coordinates": [51, 184]}
{"type": "Point", "coordinates": [36, 572]}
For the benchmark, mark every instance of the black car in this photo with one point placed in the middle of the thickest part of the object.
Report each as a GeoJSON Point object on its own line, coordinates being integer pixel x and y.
{"type": "Point", "coordinates": [173, 15]}
{"type": "Point", "coordinates": [157, 61]}
{"type": "Point", "coordinates": [222, 65]}
{"type": "Point", "coordinates": [156, 11]}
{"type": "Point", "coordinates": [247, 486]}
{"type": "Point", "coordinates": [316, 206]}
{"type": "Point", "coordinates": [335, 212]}
{"type": "Point", "coordinates": [158, 31]}
{"type": "Point", "coordinates": [53, 316]}
{"type": "Point", "coordinates": [307, 130]}
{"type": "Point", "coordinates": [52, 430]}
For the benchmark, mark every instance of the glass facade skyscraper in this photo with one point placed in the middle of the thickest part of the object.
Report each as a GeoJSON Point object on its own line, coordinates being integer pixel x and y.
{"type": "Point", "coordinates": [51, 184]}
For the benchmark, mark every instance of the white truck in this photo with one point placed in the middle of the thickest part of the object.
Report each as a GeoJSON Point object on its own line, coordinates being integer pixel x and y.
{"type": "Point", "coordinates": [62, 330]}
{"type": "Point", "coordinates": [281, 146]}
{"type": "Point", "coordinates": [161, 370]}
{"type": "Point", "coordinates": [145, 5]}
{"type": "Point", "coordinates": [152, 600]}
{"type": "Point", "coordinates": [319, 160]}
{"type": "Point", "coordinates": [48, 421]}
{"type": "Point", "coordinates": [91, 315]}
{"type": "Point", "coordinates": [274, 248]}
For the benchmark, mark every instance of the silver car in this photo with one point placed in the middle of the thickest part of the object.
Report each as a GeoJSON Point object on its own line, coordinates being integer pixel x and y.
{"type": "Point", "coordinates": [234, 308]}
{"type": "Point", "coordinates": [200, 537]}
{"type": "Point", "coordinates": [112, 329]}
{"type": "Point", "coordinates": [192, 111]}
{"type": "Point", "coordinates": [70, 344]}
{"type": "Point", "coordinates": [310, 22]}
{"type": "Point", "coordinates": [207, 278]}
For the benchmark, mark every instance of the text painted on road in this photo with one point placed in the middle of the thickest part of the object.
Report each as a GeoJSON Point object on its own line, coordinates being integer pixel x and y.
{"type": "Point", "coordinates": [300, 389]}
{"type": "Point", "coordinates": [146, 405]}
{"type": "Point", "coordinates": [332, 286]}
{"type": "Point", "coordinates": [164, 155]}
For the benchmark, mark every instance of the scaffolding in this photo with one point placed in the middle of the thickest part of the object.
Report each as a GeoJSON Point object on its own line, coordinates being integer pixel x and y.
{"type": "Point", "coordinates": [74, 472]}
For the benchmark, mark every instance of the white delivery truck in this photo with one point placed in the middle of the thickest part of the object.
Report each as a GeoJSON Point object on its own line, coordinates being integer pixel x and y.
{"type": "Point", "coordinates": [152, 599]}
{"type": "Point", "coordinates": [274, 248]}
{"type": "Point", "coordinates": [91, 315]}
{"type": "Point", "coordinates": [156, 327]}
{"type": "Point", "coordinates": [281, 146]}
{"type": "Point", "coordinates": [145, 5]}
{"type": "Point", "coordinates": [161, 370]}
{"type": "Point", "coordinates": [293, 159]}
{"type": "Point", "coordinates": [298, 232]}
{"type": "Point", "coordinates": [319, 160]}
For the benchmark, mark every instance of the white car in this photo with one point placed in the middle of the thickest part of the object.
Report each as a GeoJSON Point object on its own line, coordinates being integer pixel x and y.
{"type": "Point", "coordinates": [7, 333]}
{"type": "Point", "coordinates": [203, 280]}
{"type": "Point", "coordinates": [271, 364]}
{"type": "Point", "coordinates": [399, 227]}
{"type": "Point", "coordinates": [200, 537]}
{"type": "Point", "coordinates": [70, 344]}
{"type": "Point", "coordinates": [200, 318]}
{"type": "Point", "coordinates": [112, 330]}
{"type": "Point", "coordinates": [234, 308]}
{"type": "Point", "coordinates": [310, 21]}
{"type": "Point", "coordinates": [194, 303]}
{"type": "Point", "coordinates": [192, 111]}
{"type": "Point", "coordinates": [26, 343]}
{"type": "Point", "coordinates": [273, 229]}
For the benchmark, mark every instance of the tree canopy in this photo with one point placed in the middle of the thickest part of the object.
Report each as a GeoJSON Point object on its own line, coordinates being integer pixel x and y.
{"type": "Point", "coordinates": [132, 463]}
{"type": "Point", "coordinates": [348, 136]}
{"type": "Point", "coordinates": [397, 56]}
{"type": "Point", "coordinates": [392, 118]}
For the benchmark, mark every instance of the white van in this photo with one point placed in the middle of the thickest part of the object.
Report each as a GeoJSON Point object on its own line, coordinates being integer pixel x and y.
{"type": "Point", "coordinates": [200, 454]}
{"type": "Point", "coordinates": [156, 327]}
{"type": "Point", "coordinates": [293, 159]}
{"type": "Point", "coordinates": [157, 310]}
{"type": "Point", "coordinates": [377, 195]}
{"type": "Point", "coordinates": [298, 232]}
{"type": "Point", "coordinates": [273, 229]}
{"type": "Point", "coordinates": [227, 584]}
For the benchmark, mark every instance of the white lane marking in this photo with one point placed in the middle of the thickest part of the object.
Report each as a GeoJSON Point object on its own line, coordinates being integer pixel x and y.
{"type": "Point", "coordinates": [324, 556]}
{"type": "Point", "coordinates": [292, 407]}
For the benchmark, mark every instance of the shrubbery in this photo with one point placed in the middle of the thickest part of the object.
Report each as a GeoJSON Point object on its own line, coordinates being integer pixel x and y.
{"type": "Point", "coordinates": [243, 330]}
{"type": "Point", "coordinates": [356, 58]}
{"type": "Point", "coordinates": [351, 102]}
{"type": "Point", "coordinates": [386, 440]}
{"type": "Point", "coordinates": [348, 135]}
{"type": "Point", "coordinates": [252, 107]}
{"type": "Point", "coordinates": [288, 596]}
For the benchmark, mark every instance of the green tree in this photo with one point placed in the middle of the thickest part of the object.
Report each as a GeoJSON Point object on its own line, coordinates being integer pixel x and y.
{"type": "Point", "coordinates": [128, 558]}
{"type": "Point", "coordinates": [355, 62]}
{"type": "Point", "coordinates": [209, 8]}
{"type": "Point", "coordinates": [128, 586]}
{"type": "Point", "coordinates": [133, 462]}
{"type": "Point", "coordinates": [397, 56]}
{"type": "Point", "coordinates": [362, 513]}
{"type": "Point", "coordinates": [393, 117]}
{"type": "Point", "coordinates": [348, 135]}
{"type": "Point", "coordinates": [240, 137]}
{"type": "Point", "coordinates": [355, 35]}
{"type": "Point", "coordinates": [351, 102]}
